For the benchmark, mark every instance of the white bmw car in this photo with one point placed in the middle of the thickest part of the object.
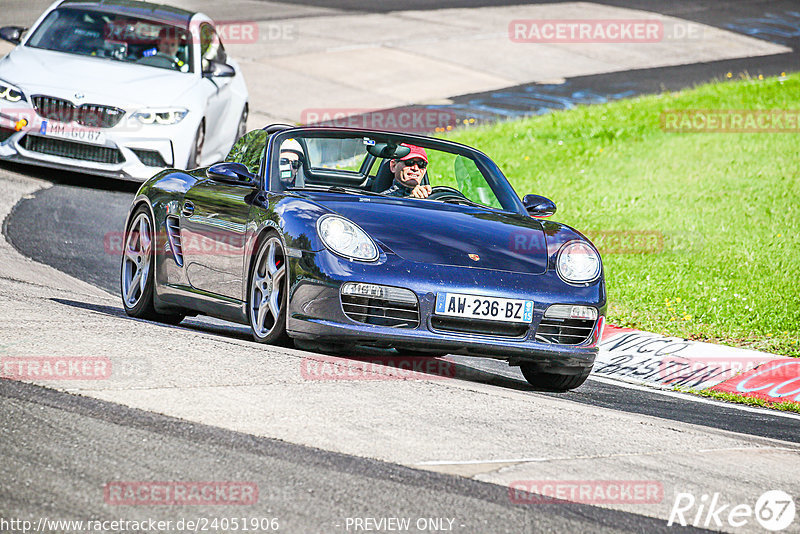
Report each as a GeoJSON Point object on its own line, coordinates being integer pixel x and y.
{"type": "Point", "coordinates": [119, 88]}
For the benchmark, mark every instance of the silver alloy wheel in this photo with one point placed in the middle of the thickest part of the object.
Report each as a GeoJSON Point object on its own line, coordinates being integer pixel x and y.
{"type": "Point", "coordinates": [266, 287]}
{"type": "Point", "coordinates": [198, 144]}
{"type": "Point", "coordinates": [137, 259]}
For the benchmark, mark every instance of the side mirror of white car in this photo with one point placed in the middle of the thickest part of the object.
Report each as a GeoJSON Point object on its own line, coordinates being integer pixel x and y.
{"type": "Point", "coordinates": [217, 69]}
{"type": "Point", "coordinates": [12, 34]}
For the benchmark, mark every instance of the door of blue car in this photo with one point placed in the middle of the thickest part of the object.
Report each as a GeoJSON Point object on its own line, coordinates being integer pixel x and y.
{"type": "Point", "coordinates": [214, 220]}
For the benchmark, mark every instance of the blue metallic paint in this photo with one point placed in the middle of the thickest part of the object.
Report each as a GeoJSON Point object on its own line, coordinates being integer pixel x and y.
{"type": "Point", "coordinates": [438, 236]}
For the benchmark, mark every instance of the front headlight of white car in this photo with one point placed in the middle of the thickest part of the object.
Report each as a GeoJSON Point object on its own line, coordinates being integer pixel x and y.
{"type": "Point", "coordinates": [161, 116]}
{"type": "Point", "coordinates": [10, 93]}
{"type": "Point", "coordinates": [345, 238]}
{"type": "Point", "coordinates": [578, 263]}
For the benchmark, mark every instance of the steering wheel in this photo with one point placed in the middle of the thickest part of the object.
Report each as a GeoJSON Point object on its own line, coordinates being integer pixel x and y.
{"type": "Point", "coordinates": [161, 61]}
{"type": "Point", "coordinates": [444, 193]}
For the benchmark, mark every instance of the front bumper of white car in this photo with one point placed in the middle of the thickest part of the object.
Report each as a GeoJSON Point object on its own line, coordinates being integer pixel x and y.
{"type": "Point", "coordinates": [129, 150]}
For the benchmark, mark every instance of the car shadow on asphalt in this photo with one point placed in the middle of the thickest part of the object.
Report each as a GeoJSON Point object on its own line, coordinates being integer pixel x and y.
{"type": "Point", "coordinates": [364, 358]}
{"type": "Point", "coordinates": [100, 308]}
{"type": "Point", "coordinates": [209, 326]}
{"type": "Point", "coordinates": [418, 367]}
{"type": "Point", "coordinates": [75, 179]}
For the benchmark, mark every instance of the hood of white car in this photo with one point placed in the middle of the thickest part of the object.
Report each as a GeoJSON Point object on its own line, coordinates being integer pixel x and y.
{"type": "Point", "coordinates": [100, 81]}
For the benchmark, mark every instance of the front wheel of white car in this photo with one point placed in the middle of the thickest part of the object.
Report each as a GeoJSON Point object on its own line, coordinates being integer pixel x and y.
{"type": "Point", "coordinates": [197, 146]}
{"type": "Point", "coordinates": [242, 128]}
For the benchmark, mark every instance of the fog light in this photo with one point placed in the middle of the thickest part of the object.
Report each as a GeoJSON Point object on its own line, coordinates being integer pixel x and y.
{"type": "Point", "coordinates": [375, 291]}
{"type": "Point", "coordinates": [566, 311]}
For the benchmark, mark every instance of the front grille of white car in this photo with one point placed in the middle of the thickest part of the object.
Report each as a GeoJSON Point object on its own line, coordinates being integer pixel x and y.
{"type": "Point", "coordinates": [151, 158]}
{"type": "Point", "coordinates": [91, 115]}
{"type": "Point", "coordinates": [174, 235]}
{"type": "Point", "coordinates": [71, 149]}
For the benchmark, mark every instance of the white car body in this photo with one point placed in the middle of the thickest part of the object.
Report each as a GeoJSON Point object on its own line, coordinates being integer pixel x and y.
{"type": "Point", "coordinates": [219, 103]}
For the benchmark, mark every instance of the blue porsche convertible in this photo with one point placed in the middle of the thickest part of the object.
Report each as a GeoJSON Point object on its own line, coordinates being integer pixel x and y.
{"type": "Point", "coordinates": [355, 237]}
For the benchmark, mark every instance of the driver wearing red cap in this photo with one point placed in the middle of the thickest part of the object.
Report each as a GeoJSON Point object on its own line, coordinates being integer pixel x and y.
{"type": "Point", "coordinates": [409, 172]}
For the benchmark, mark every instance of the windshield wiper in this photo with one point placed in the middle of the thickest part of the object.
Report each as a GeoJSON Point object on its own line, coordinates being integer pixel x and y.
{"type": "Point", "coordinates": [464, 201]}
{"type": "Point", "coordinates": [335, 189]}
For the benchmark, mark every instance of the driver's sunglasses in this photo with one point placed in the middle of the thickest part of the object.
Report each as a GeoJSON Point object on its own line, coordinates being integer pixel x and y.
{"type": "Point", "coordinates": [295, 163]}
{"type": "Point", "coordinates": [421, 163]}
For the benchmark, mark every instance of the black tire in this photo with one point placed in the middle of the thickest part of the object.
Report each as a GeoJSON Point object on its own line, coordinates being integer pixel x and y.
{"type": "Point", "coordinates": [137, 269]}
{"type": "Point", "coordinates": [552, 381]}
{"type": "Point", "coordinates": [267, 327]}
{"type": "Point", "coordinates": [241, 129]}
{"type": "Point", "coordinates": [197, 146]}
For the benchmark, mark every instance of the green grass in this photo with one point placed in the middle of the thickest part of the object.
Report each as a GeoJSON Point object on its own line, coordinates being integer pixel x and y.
{"type": "Point", "coordinates": [744, 399]}
{"type": "Point", "coordinates": [727, 206]}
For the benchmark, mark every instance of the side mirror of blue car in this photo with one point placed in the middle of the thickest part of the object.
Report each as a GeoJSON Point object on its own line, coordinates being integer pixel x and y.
{"type": "Point", "coordinates": [230, 172]}
{"type": "Point", "coordinates": [539, 206]}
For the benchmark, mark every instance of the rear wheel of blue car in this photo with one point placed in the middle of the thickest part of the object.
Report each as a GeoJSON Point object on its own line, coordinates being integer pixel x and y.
{"type": "Point", "coordinates": [266, 303]}
{"type": "Point", "coordinates": [137, 272]}
{"type": "Point", "coordinates": [552, 381]}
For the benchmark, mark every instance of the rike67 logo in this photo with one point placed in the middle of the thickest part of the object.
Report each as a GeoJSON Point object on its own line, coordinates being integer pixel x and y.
{"type": "Point", "coordinates": [774, 510]}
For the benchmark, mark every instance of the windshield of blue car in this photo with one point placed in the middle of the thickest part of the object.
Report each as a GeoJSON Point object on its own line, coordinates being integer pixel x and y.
{"type": "Point", "coordinates": [345, 164]}
{"type": "Point", "coordinates": [114, 37]}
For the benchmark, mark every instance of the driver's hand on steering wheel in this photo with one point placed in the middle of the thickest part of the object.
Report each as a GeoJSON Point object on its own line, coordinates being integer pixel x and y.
{"type": "Point", "coordinates": [420, 191]}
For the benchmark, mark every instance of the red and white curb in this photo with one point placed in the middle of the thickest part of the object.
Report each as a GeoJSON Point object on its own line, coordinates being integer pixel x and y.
{"type": "Point", "coordinates": [667, 362]}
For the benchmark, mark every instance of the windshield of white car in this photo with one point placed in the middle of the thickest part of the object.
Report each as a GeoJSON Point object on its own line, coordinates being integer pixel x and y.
{"type": "Point", "coordinates": [115, 37]}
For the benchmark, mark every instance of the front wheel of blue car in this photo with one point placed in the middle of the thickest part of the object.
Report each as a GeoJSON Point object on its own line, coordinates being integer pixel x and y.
{"type": "Point", "coordinates": [266, 303]}
{"type": "Point", "coordinates": [137, 272]}
{"type": "Point", "coordinates": [552, 381]}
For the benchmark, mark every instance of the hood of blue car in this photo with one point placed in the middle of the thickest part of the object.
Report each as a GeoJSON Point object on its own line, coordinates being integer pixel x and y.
{"type": "Point", "coordinates": [447, 234]}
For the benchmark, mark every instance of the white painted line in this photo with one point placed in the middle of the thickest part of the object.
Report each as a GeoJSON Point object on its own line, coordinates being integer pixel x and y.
{"type": "Point", "coordinates": [559, 458]}
{"type": "Point", "coordinates": [695, 398]}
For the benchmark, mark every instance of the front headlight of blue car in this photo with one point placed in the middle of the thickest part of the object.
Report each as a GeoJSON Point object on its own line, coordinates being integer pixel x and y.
{"type": "Point", "coordinates": [161, 116]}
{"type": "Point", "coordinates": [578, 263]}
{"type": "Point", "coordinates": [10, 93]}
{"type": "Point", "coordinates": [345, 238]}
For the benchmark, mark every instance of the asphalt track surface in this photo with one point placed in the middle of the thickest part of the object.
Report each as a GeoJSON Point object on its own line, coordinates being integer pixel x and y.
{"type": "Point", "coordinates": [308, 489]}
{"type": "Point", "coordinates": [68, 225]}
